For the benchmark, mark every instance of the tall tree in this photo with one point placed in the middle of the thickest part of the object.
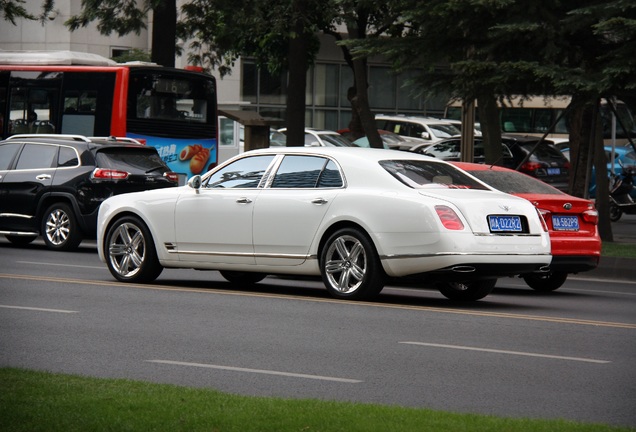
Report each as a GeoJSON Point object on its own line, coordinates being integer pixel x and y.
{"type": "Point", "coordinates": [362, 19]}
{"type": "Point", "coordinates": [499, 48]}
{"type": "Point", "coordinates": [281, 36]}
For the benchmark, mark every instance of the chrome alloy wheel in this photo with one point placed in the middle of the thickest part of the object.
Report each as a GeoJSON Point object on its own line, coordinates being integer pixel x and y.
{"type": "Point", "coordinates": [346, 264]}
{"type": "Point", "coordinates": [126, 250]}
{"type": "Point", "coordinates": [57, 227]}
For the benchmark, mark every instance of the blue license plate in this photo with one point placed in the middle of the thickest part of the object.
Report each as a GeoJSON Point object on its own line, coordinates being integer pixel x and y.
{"type": "Point", "coordinates": [565, 223]}
{"type": "Point", "coordinates": [554, 171]}
{"type": "Point", "coordinates": [499, 223]}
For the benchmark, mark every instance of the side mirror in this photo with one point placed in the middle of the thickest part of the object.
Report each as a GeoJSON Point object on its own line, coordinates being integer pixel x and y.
{"type": "Point", "coordinates": [426, 135]}
{"type": "Point", "coordinates": [195, 182]}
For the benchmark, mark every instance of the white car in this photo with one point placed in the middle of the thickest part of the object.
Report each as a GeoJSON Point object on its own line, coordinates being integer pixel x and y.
{"type": "Point", "coordinates": [355, 216]}
{"type": "Point", "coordinates": [322, 138]}
{"type": "Point", "coordinates": [424, 129]}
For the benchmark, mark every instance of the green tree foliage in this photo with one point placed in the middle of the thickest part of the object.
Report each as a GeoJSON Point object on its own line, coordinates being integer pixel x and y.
{"type": "Point", "coordinates": [14, 9]}
{"type": "Point", "coordinates": [492, 49]}
{"type": "Point", "coordinates": [128, 16]}
{"type": "Point", "coordinates": [279, 35]}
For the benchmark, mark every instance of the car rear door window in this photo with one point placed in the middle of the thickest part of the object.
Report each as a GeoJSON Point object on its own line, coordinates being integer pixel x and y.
{"type": "Point", "coordinates": [306, 172]}
{"type": "Point", "coordinates": [67, 157]}
{"type": "Point", "coordinates": [34, 156]}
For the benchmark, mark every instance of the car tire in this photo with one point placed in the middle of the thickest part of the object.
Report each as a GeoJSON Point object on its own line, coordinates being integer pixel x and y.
{"type": "Point", "coordinates": [350, 266]}
{"type": "Point", "coordinates": [467, 291]}
{"type": "Point", "coordinates": [615, 212]}
{"type": "Point", "coordinates": [130, 251]}
{"type": "Point", "coordinates": [20, 240]}
{"type": "Point", "coordinates": [545, 282]}
{"type": "Point", "coordinates": [60, 230]}
{"type": "Point", "coordinates": [242, 278]}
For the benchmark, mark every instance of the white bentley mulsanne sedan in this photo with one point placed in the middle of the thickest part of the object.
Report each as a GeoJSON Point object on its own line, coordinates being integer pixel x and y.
{"type": "Point", "coordinates": [354, 216]}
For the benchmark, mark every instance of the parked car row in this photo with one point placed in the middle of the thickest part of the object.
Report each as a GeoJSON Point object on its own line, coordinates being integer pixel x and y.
{"type": "Point", "coordinates": [355, 217]}
{"type": "Point", "coordinates": [528, 154]}
{"type": "Point", "coordinates": [624, 159]}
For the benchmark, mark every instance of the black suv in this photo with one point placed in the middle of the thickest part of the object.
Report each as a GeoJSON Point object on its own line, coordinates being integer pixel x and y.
{"type": "Point", "coordinates": [53, 185]}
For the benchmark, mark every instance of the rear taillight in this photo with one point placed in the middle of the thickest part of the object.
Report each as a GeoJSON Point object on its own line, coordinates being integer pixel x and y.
{"type": "Point", "coordinates": [591, 216]}
{"type": "Point", "coordinates": [449, 218]}
{"type": "Point", "coordinates": [542, 214]}
{"type": "Point", "coordinates": [172, 176]}
{"type": "Point", "coordinates": [530, 167]}
{"type": "Point", "coordinates": [109, 174]}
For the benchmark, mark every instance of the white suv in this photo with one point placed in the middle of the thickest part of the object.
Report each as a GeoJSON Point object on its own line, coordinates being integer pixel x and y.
{"type": "Point", "coordinates": [425, 129]}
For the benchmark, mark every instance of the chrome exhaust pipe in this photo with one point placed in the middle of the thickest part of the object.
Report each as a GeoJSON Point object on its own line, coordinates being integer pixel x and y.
{"type": "Point", "coordinates": [543, 269]}
{"type": "Point", "coordinates": [463, 269]}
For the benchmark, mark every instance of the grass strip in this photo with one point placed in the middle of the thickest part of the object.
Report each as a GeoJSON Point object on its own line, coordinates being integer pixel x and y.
{"type": "Point", "coordinates": [620, 250]}
{"type": "Point", "coordinates": [41, 401]}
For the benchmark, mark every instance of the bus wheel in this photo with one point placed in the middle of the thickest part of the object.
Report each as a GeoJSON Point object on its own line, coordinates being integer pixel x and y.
{"type": "Point", "coordinates": [242, 278]}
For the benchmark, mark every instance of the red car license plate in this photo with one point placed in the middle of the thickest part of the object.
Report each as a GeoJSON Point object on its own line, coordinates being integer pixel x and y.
{"type": "Point", "coordinates": [565, 223]}
{"type": "Point", "coordinates": [504, 223]}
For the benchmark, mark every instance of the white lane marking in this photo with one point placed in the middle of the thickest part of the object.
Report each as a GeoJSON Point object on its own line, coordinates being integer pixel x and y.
{"type": "Point", "coordinates": [62, 265]}
{"type": "Point", "coordinates": [38, 309]}
{"type": "Point", "coordinates": [260, 371]}
{"type": "Point", "coordinates": [459, 347]}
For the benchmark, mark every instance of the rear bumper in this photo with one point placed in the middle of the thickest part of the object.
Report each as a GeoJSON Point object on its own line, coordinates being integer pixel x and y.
{"type": "Point", "coordinates": [574, 263]}
{"type": "Point", "coordinates": [485, 271]}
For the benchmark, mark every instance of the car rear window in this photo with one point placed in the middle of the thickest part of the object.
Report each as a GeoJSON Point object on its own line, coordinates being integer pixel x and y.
{"type": "Point", "coordinates": [131, 159]}
{"type": "Point", "coordinates": [514, 182]}
{"type": "Point", "coordinates": [544, 152]}
{"type": "Point", "coordinates": [419, 174]}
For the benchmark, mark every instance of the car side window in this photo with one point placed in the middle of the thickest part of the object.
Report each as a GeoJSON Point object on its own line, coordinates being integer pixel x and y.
{"type": "Point", "coordinates": [416, 130]}
{"type": "Point", "coordinates": [299, 172]}
{"type": "Point", "coordinates": [330, 177]}
{"type": "Point", "coordinates": [34, 156]}
{"type": "Point", "coordinates": [245, 173]}
{"type": "Point", "coordinates": [7, 154]}
{"type": "Point", "coordinates": [67, 157]}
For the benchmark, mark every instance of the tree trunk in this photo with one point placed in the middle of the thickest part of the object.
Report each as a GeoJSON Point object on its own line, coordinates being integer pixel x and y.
{"type": "Point", "coordinates": [602, 181]}
{"type": "Point", "coordinates": [490, 128]}
{"type": "Point", "coordinates": [164, 33]}
{"type": "Point", "coordinates": [360, 103]}
{"type": "Point", "coordinates": [297, 63]}
{"type": "Point", "coordinates": [581, 119]}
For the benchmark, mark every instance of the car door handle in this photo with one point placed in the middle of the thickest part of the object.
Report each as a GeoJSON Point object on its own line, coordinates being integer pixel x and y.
{"type": "Point", "coordinates": [319, 201]}
{"type": "Point", "coordinates": [244, 200]}
{"type": "Point", "coordinates": [43, 177]}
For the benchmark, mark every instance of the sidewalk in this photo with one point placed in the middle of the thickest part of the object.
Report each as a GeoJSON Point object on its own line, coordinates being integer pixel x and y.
{"type": "Point", "coordinates": [624, 231]}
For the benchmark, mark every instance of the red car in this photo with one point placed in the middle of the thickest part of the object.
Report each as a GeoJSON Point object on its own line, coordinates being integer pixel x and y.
{"type": "Point", "coordinates": [572, 222]}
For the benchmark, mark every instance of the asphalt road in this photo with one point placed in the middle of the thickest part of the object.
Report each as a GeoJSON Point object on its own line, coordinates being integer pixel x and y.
{"type": "Point", "coordinates": [568, 354]}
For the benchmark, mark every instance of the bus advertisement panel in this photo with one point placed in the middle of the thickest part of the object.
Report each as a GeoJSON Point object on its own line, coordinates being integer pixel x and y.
{"type": "Point", "coordinates": [52, 92]}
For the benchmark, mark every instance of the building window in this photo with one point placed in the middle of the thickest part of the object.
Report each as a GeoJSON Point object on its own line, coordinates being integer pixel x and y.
{"type": "Point", "coordinates": [327, 105]}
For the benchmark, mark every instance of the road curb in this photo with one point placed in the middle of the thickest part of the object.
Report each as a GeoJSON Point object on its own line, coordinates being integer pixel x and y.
{"type": "Point", "coordinates": [615, 268]}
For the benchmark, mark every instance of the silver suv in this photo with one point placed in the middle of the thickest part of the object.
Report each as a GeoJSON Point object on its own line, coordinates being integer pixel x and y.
{"type": "Point", "coordinates": [425, 129]}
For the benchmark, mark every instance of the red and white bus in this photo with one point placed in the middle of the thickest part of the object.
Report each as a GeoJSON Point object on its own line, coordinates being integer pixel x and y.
{"type": "Point", "coordinates": [64, 92]}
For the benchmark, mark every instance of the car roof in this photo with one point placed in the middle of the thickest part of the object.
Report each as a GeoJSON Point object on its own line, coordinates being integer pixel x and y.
{"type": "Point", "coordinates": [75, 140]}
{"type": "Point", "coordinates": [419, 119]}
{"type": "Point", "coordinates": [346, 153]}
